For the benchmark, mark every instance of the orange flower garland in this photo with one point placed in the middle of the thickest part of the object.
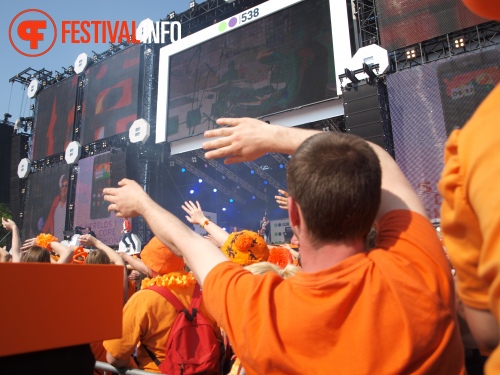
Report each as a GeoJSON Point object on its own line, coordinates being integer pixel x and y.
{"type": "Point", "coordinates": [44, 240]}
{"type": "Point", "coordinates": [179, 279]}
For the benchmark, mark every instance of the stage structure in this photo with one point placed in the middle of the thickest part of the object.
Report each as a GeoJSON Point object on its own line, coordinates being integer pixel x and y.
{"type": "Point", "coordinates": [449, 63]}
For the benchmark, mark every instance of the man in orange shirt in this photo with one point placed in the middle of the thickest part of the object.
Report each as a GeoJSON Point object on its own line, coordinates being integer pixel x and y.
{"type": "Point", "coordinates": [389, 310]}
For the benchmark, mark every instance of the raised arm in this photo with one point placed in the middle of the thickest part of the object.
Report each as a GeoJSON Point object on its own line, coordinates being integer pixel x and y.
{"type": "Point", "coordinates": [88, 240]}
{"type": "Point", "coordinates": [131, 200]}
{"type": "Point", "coordinates": [397, 192]}
{"type": "Point", "coordinates": [247, 139]}
{"type": "Point", "coordinates": [64, 252]}
{"type": "Point", "coordinates": [135, 263]}
{"type": "Point", "coordinates": [16, 251]}
{"type": "Point", "coordinates": [195, 216]}
{"type": "Point", "coordinates": [282, 199]}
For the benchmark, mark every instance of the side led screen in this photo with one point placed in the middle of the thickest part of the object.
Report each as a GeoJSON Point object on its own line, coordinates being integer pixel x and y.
{"type": "Point", "coordinates": [55, 118]}
{"type": "Point", "coordinates": [46, 204]}
{"type": "Point", "coordinates": [111, 95]}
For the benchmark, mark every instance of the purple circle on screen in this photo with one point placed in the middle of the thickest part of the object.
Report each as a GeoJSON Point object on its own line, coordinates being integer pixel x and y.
{"type": "Point", "coordinates": [232, 22]}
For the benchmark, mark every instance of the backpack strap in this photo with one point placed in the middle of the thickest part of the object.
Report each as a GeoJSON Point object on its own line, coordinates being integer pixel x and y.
{"type": "Point", "coordinates": [170, 297]}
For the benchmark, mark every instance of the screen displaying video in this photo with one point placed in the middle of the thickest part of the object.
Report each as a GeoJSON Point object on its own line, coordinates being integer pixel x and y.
{"type": "Point", "coordinates": [282, 61]}
{"type": "Point", "coordinates": [46, 204]}
{"type": "Point", "coordinates": [55, 118]}
{"type": "Point", "coordinates": [111, 98]}
{"type": "Point", "coordinates": [399, 19]}
{"type": "Point", "coordinates": [94, 175]}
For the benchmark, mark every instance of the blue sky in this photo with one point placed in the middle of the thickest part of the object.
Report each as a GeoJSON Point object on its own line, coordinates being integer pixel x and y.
{"type": "Point", "coordinates": [64, 54]}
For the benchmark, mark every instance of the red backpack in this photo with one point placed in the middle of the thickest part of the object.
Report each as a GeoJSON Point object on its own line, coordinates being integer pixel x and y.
{"type": "Point", "coordinates": [192, 345]}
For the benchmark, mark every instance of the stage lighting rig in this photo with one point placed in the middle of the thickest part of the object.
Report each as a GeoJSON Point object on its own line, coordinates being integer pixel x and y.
{"type": "Point", "coordinates": [369, 72]}
{"type": "Point", "coordinates": [351, 75]}
{"type": "Point", "coordinates": [192, 4]}
{"type": "Point", "coordinates": [171, 16]}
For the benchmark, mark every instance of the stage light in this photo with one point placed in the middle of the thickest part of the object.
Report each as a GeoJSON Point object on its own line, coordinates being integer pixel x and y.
{"type": "Point", "coordinates": [265, 182]}
{"type": "Point", "coordinates": [200, 180]}
{"type": "Point", "coordinates": [172, 163]}
{"type": "Point", "coordinates": [223, 208]}
{"type": "Point", "coordinates": [223, 177]}
{"type": "Point", "coordinates": [231, 200]}
{"type": "Point", "coordinates": [171, 15]}
{"type": "Point", "coordinates": [411, 54]}
{"type": "Point", "coordinates": [459, 42]}
{"type": "Point", "coordinates": [253, 196]}
{"type": "Point", "coordinates": [191, 191]}
{"type": "Point", "coordinates": [215, 190]}
{"type": "Point", "coordinates": [281, 166]}
{"type": "Point", "coordinates": [183, 170]}
{"type": "Point", "coordinates": [252, 171]}
{"type": "Point", "coordinates": [193, 159]}
{"type": "Point", "coordinates": [192, 4]}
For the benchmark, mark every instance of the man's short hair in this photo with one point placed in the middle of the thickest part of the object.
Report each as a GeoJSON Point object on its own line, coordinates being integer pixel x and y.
{"type": "Point", "coordinates": [336, 180]}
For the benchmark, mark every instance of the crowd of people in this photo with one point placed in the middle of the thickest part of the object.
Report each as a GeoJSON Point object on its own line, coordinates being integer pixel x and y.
{"type": "Point", "coordinates": [371, 289]}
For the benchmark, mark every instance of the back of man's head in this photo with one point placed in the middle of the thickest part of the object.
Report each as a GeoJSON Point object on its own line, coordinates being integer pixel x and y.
{"type": "Point", "coordinates": [336, 180]}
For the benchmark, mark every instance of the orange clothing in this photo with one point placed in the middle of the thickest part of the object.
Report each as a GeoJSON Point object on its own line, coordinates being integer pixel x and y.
{"type": "Point", "coordinates": [470, 217]}
{"type": "Point", "coordinates": [387, 311]}
{"type": "Point", "coordinates": [148, 318]}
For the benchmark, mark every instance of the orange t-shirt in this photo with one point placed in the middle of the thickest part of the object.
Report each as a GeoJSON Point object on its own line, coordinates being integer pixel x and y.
{"type": "Point", "coordinates": [147, 319]}
{"type": "Point", "coordinates": [470, 217]}
{"type": "Point", "coordinates": [388, 311]}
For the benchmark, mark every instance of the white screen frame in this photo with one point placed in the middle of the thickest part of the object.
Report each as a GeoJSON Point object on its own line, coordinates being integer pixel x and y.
{"type": "Point", "coordinates": [341, 49]}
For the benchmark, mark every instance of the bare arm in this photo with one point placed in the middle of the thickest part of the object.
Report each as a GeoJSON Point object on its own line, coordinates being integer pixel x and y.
{"type": "Point", "coordinates": [282, 199]}
{"type": "Point", "coordinates": [9, 224]}
{"type": "Point", "coordinates": [247, 139]}
{"type": "Point", "coordinates": [88, 240]}
{"type": "Point", "coordinates": [64, 252]}
{"type": "Point", "coordinates": [397, 192]}
{"type": "Point", "coordinates": [195, 216]}
{"type": "Point", "coordinates": [131, 200]}
{"type": "Point", "coordinates": [135, 263]}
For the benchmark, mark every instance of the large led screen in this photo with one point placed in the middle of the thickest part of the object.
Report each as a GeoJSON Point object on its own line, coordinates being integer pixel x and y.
{"type": "Point", "coordinates": [94, 174]}
{"type": "Point", "coordinates": [427, 102]}
{"type": "Point", "coordinates": [268, 59]}
{"type": "Point", "coordinates": [46, 204]}
{"type": "Point", "coordinates": [111, 95]}
{"type": "Point", "coordinates": [406, 22]}
{"type": "Point", "coordinates": [55, 117]}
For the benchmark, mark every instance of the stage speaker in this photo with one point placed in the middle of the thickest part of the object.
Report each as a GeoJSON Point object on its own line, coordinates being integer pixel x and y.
{"type": "Point", "coordinates": [366, 113]}
{"type": "Point", "coordinates": [18, 151]}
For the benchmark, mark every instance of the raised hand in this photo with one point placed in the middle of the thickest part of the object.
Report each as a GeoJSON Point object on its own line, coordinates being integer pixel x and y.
{"type": "Point", "coordinates": [282, 199]}
{"type": "Point", "coordinates": [128, 200]}
{"type": "Point", "coordinates": [87, 240]}
{"type": "Point", "coordinates": [194, 212]}
{"type": "Point", "coordinates": [8, 224]}
{"type": "Point", "coordinates": [28, 243]}
{"type": "Point", "coordinates": [245, 140]}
